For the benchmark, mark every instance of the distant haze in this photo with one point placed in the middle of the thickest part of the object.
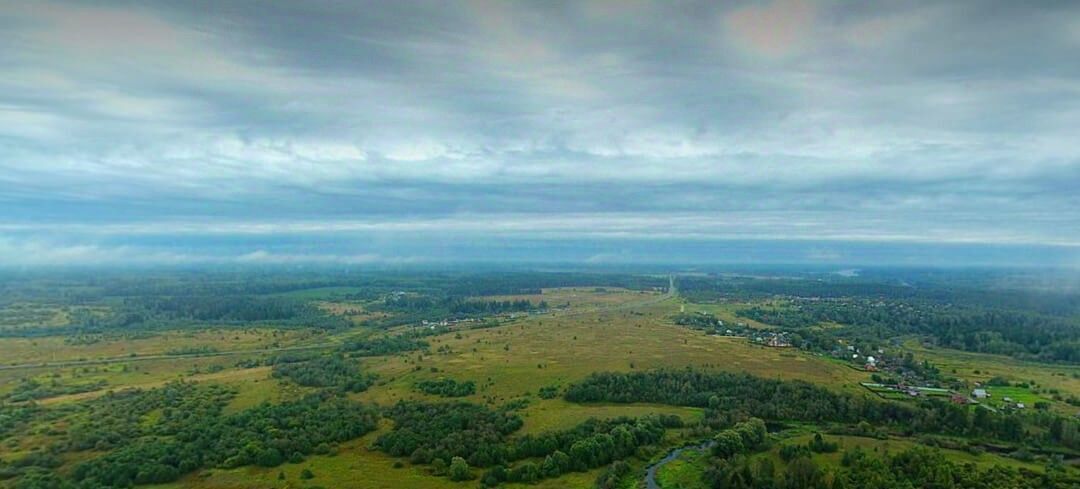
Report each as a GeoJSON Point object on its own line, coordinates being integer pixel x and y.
{"type": "Point", "coordinates": [255, 132]}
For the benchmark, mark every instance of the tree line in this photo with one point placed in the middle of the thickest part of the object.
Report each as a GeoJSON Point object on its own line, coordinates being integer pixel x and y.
{"type": "Point", "coordinates": [193, 432]}
{"type": "Point", "coordinates": [1022, 334]}
{"type": "Point", "coordinates": [437, 434]}
{"type": "Point", "coordinates": [917, 467]}
{"type": "Point", "coordinates": [729, 397]}
{"type": "Point", "coordinates": [447, 387]}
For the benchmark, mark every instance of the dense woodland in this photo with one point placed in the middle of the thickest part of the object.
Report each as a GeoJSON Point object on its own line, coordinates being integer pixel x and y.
{"type": "Point", "coordinates": [730, 396]}
{"type": "Point", "coordinates": [1021, 334]}
{"type": "Point", "coordinates": [438, 434]}
{"type": "Point", "coordinates": [447, 387]}
{"type": "Point", "coordinates": [191, 432]}
{"type": "Point", "coordinates": [908, 469]}
{"type": "Point", "coordinates": [180, 299]}
{"type": "Point", "coordinates": [1042, 326]}
{"type": "Point", "coordinates": [331, 371]}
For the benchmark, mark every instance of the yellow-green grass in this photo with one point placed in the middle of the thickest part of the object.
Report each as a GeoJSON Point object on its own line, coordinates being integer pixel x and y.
{"type": "Point", "coordinates": [51, 349]}
{"type": "Point", "coordinates": [725, 311]}
{"type": "Point", "coordinates": [518, 359]}
{"type": "Point", "coordinates": [576, 297]}
{"type": "Point", "coordinates": [354, 311]}
{"type": "Point", "coordinates": [255, 386]}
{"type": "Point", "coordinates": [23, 315]}
{"type": "Point", "coordinates": [1015, 395]}
{"type": "Point", "coordinates": [143, 374]}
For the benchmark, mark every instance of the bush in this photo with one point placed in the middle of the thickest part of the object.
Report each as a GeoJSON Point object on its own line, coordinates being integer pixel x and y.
{"type": "Point", "coordinates": [459, 470]}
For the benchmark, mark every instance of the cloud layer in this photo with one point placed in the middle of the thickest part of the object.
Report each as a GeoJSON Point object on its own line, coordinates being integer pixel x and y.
{"type": "Point", "coordinates": [600, 120]}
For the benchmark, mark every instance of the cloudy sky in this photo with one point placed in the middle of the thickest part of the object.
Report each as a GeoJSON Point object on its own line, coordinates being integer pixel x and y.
{"type": "Point", "coordinates": [593, 131]}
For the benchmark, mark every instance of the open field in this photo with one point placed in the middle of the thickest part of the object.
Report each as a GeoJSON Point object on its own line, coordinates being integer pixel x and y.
{"type": "Point", "coordinates": [120, 374]}
{"type": "Point", "coordinates": [54, 349]}
{"type": "Point", "coordinates": [575, 296]}
{"type": "Point", "coordinates": [518, 359]}
{"type": "Point", "coordinates": [352, 310]}
{"type": "Point", "coordinates": [24, 315]}
{"type": "Point", "coordinates": [1001, 395]}
{"type": "Point", "coordinates": [724, 311]}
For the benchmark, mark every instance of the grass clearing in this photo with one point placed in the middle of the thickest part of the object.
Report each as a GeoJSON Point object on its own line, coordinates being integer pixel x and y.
{"type": "Point", "coordinates": [684, 472]}
{"type": "Point", "coordinates": [54, 349]}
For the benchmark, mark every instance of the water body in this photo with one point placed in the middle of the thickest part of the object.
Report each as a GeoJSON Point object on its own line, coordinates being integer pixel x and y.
{"type": "Point", "coordinates": [650, 473]}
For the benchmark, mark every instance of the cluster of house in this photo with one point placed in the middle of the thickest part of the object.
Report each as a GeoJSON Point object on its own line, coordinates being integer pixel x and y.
{"type": "Point", "coordinates": [868, 361]}
{"type": "Point", "coordinates": [773, 339]}
{"type": "Point", "coordinates": [445, 322]}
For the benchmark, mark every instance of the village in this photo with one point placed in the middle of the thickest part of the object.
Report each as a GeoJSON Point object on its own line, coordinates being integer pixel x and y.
{"type": "Point", "coordinates": [893, 376]}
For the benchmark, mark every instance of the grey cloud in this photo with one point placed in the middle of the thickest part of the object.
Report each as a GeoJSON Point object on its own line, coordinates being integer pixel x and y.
{"type": "Point", "coordinates": [961, 114]}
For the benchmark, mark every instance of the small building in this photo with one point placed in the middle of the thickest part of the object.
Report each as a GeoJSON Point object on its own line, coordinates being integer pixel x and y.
{"type": "Point", "coordinates": [1019, 405]}
{"type": "Point", "coordinates": [980, 394]}
{"type": "Point", "coordinates": [778, 342]}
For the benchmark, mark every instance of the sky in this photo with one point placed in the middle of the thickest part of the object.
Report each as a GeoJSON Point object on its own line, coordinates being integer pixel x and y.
{"type": "Point", "coordinates": [272, 132]}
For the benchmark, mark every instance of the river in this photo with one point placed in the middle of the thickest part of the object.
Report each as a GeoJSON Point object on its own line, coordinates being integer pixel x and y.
{"type": "Point", "coordinates": [650, 473]}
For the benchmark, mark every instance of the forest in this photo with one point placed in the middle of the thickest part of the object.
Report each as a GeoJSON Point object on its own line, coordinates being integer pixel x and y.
{"type": "Point", "coordinates": [193, 432]}
{"type": "Point", "coordinates": [1038, 326]}
{"type": "Point", "coordinates": [730, 397]}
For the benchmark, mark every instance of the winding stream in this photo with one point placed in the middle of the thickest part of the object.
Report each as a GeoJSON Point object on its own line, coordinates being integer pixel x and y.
{"type": "Point", "coordinates": [650, 473]}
